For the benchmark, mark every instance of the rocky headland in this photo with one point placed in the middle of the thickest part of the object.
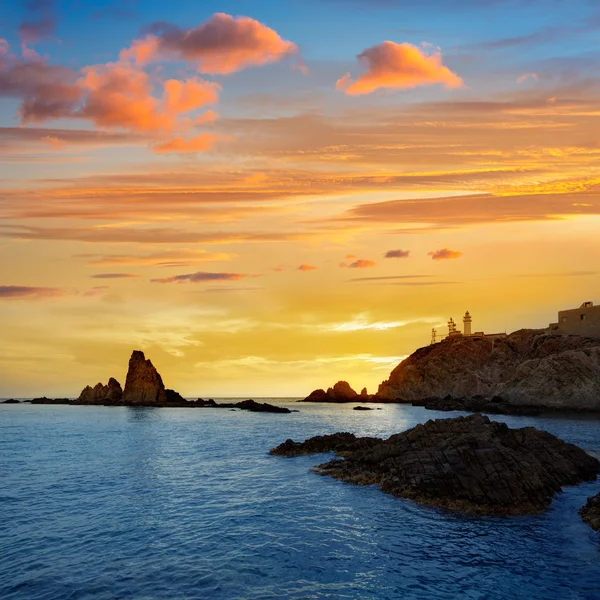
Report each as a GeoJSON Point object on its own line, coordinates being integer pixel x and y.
{"type": "Point", "coordinates": [469, 464]}
{"type": "Point", "coordinates": [524, 373]}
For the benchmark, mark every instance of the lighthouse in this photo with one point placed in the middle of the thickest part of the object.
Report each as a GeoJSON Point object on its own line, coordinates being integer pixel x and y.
{"type": "Point", "coordinates": [467, 324]}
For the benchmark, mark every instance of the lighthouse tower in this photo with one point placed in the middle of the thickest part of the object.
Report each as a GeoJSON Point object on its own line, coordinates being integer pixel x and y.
{"type": "Point", "coordinates": [467, 323]}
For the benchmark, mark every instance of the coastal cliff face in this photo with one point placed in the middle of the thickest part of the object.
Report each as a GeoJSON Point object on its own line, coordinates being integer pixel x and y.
{"type": "Point", "coordinates": [143, 385]}
{"type": "Point", "coordinates": [527, 367]}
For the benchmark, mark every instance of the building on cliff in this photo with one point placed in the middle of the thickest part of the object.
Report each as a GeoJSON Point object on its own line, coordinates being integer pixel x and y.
{"type": "Point", "coordinates": [467, 332]}
{"type": "Point", "coordinates": [583, 321]}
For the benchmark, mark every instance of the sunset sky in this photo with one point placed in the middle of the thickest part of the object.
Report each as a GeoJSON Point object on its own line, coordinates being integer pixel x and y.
{"type": "Point", "coordinates": [267, 197]}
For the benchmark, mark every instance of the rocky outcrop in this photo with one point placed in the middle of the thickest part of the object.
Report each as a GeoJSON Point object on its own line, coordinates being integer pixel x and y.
{"type": "Point", "coordinates": [249, 405]}
{"type": "Point", "coordinates": [362, 408]}
{"type": "Point", "coordinates": [478, 404]}
{"type": "Point", "coordinates": [528, 367]}
{"type": "Point", "coordinates": [143, 385]}
{"type": "Point", "coordinates": [468, 463]}
{"type": "Point", "coordinates": [11, 401]}
{"type": "Point", "coordinates": [590, 513]}
{"type": "Point", "coordinates": [111, 393]}
{"type": "Point", "coordinates": [340, 392]}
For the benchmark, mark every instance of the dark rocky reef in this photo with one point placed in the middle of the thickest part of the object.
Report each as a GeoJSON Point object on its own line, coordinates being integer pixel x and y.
{"type": "Point", "coordinates": [249, 405]}
{"type": "Point", "coordinates": [111, 393]}
{"type": "Point", "coordinates": [362, 408]}
{"type": "Point", "coordinates": [44, 400]}
{"type": "Point", "coordinates": [469, 464]}
{"type": "Point", "coordinates": [478, 404]}
{"type": "Point", "coordinates": [525, 368]}
{"type": "Point", "coordinates": [590, 513]}
{"type": "Point", "coordinates": [11, 401]}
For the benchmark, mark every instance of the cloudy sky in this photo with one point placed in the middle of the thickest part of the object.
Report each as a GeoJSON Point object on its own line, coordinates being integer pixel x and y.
{"type": "Point", "coordinates": [267, 197]}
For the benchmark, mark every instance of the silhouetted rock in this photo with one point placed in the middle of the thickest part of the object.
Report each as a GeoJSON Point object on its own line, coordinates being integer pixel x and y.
{"type": "Point", "coordinates": [340, 392]}
{"type": "Point", "coordinates": [364, 393]}
{"type": "Point", "coordinates": [11, 401]}
{"type": "Point", "coordinates": [101, 394]}
{"type": "Point", "coordinates": [44, 400]}
{"type": "Point", "coordinates": [253, 406]}
{"type": "Point", "coordinates": [467, 463]}
{"type": "Point", "coordinates": [590, 513]}
{"type": "Point", "coordinates": [362, 408]}
{"type": "Point", "coordinates": [209, 403]}
{"type": "Point", "coordinates": [479, 404]}
{"type": "Point", "coordinates": [143, 385]}
{"type": "Point", "coordinates": [526, 368]}
{"type": "Point", "coordinates": [172, 396]}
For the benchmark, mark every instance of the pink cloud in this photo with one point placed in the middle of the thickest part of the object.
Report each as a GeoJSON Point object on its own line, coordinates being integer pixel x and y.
{"type": "Point", "coordinates": [444, 254]}
{"type": "Point", "coordinates": [398, 66]}
{"type": "Point", "coordinates": [307, 268]}
{"type": "Point", "coordinates": [199, 277]}
{"type": "Point", "coordinates": [221, 45]}
{"type": "Point", "coordinates": [25, 291]}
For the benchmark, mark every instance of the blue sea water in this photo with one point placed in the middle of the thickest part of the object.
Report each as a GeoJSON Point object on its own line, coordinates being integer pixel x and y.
{"type": "Point", "coordinates": [112, 502]}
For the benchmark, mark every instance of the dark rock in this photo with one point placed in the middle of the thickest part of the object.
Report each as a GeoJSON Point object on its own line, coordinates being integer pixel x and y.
{"type": "Point", "coordinates": [143, 385]}
{"type": "Point", "coordinates": [317, 396]}
{"type": "Point", "coordinates": [11, 401]}
{"type": "Point", "coordinates": [467, 463]}
{"type": "Point", "coordinates": [479, 404]}
{"type": "Point", "coordinates": [44, 400]}
{"type": "Point", "coordinates": [173, 396]}
{"type": "Point", "coordinates": [206, 403]}
{"type": "Point", "coordinates": [101, 394]}
{"type": "Point", "coordinates": [362, 408]}
{"type": "Point", "coordinates": [364, 393]}
{"type": "Point", "coordinates": [338, 442]}
{"type": "Point", "coordinates": [340, 392]}
{"type": "Point", "coordinates": [590, 513]}
{"type": "Point", "coordinates": [253, 406]}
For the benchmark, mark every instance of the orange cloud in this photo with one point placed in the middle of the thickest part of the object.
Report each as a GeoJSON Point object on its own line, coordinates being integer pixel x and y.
{"type": "Point", "coordinates": [350, 255]}
{"type": "Point", "coordinates": [200, 277]}
{"type": "Point", "coordinates": [113, 276]}
{"type": "Point", "coordinates": [398, 66]}
{"type": "Point", "coordinates": [307, 268]}
{"type": "Point", "coordinates": [444, 254]}
{"type": "Point", "coordinates": [526, 76]}
{"type": "Point", "coordinates": [361, 263]}
{"type": "Point", "coordinates": [204, 141]}
{"type": "Point", "coordinates": [221, 45]}
{"type": "Point", "coordinates": [185, 96]}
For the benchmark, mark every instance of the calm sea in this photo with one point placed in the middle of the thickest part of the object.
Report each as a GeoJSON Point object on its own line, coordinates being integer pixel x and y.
{"type": "Point", "coordinates": [104, 503]}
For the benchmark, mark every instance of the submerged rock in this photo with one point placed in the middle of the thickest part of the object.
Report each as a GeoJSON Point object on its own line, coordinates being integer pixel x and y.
{"type": "Point", "coordinates": [466, 463]}
{"type": "Point", "coordinates": [111, 393]}
{"type": "Point", "coordinates": [590, 513]}
{"type": "Point", "coordinates": [362, 408]}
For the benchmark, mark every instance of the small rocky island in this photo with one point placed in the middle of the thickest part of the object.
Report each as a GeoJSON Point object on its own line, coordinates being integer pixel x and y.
{"type": "Point", "coordinates": [590, 513]}
{"type": "Point", "coordinates": [144, 387]}
{"type": "Point", "coordinates": [468, 464]}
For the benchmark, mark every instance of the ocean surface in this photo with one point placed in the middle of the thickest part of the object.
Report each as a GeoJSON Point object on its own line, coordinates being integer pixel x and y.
{"type": "Point", "coordinates": [102, 503]}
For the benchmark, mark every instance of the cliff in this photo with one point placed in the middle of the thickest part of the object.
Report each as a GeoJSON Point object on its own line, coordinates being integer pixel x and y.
{"type": "Point", "coordinates": [527, 367]}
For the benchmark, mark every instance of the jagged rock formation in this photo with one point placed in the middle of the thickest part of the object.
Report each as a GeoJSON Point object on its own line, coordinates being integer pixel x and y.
{"type": "Point", "coordinates": [143, 385]}
{"type": "Point", "coordinates": [467, 463]}
{"type": "Point", "coordinates": [11, 401]}
{"type": "Point", "coordinates": [101, 394]}
{"type": "Point", "coordinates": [44, 400]}
{"type": "Point", "coordinates": [249, 405]}
{"type": "Point", "coordinates": [590, 513]}
{"type": "Point", "coordinates": [340, 392]}
{"type": "Point", "coordinates": [527, 367]}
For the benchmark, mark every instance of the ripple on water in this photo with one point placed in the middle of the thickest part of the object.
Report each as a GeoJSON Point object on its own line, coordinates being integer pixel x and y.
{"type": "Point", "coordinates": [103, 503]}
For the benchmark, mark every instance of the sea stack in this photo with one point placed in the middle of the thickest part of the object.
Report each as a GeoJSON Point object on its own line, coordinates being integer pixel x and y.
{"type": "Point", "coordinates": [143, 385]}
{"type": "Point", "coordinates": [111, 393]}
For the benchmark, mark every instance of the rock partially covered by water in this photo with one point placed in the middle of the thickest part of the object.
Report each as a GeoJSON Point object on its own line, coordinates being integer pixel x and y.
{"type": "Point", "coordinates": [111, 393]}
{"type": "Point", "coordinates": [590, 513]}
{"type": "Point", "coordinates": [11, 401]}
{"type": "Point", "coordinates": [143, 385]}
{"type": "Point", "coordinates": [467, 463]}
{"type": "Point", "coordinates": [44, 400]}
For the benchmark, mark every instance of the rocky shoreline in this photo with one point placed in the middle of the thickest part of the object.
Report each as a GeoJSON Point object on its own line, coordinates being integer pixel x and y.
{"type": "Point", "coordinates": [468, 464]}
